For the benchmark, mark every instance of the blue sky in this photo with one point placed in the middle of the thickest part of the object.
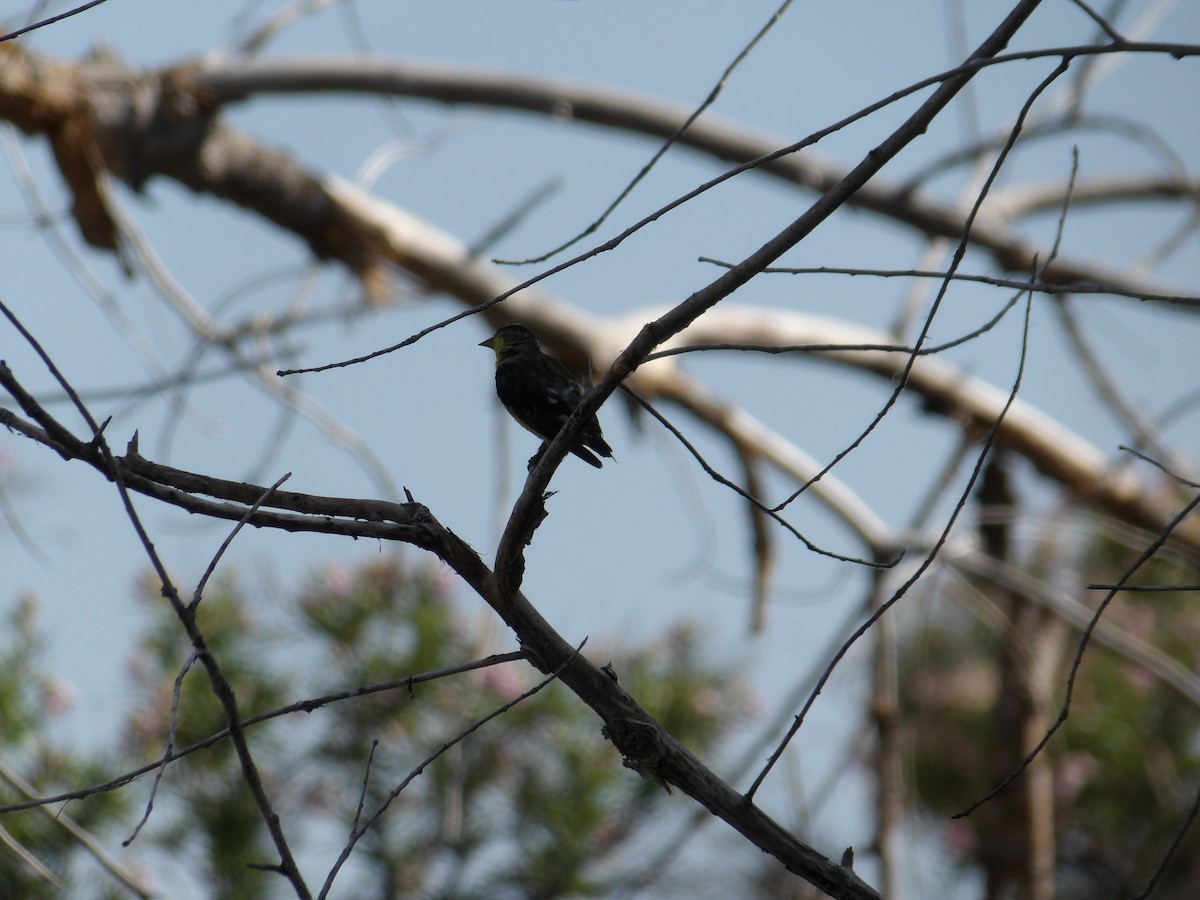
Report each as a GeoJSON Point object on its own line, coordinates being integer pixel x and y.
{"type": "Point", "coordinates": [649, 539]}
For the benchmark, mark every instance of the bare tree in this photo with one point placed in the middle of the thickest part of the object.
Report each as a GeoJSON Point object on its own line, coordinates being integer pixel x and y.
{"type": "Point", "coordinates": [993, 263]}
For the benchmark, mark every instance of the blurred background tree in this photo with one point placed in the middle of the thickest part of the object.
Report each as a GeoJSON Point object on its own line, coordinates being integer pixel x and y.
{"type": "Point", "coordinates": [531, 805]}
{"type": "Point", "coordinates": [982, 678]}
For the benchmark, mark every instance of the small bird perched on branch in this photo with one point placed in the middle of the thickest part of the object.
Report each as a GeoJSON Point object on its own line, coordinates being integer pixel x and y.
{"type": "Point", "coordinates": [539, 392]}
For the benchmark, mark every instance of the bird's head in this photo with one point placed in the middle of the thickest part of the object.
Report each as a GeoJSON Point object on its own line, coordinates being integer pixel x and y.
{"type": "Point", "coordinates": [511, 339]}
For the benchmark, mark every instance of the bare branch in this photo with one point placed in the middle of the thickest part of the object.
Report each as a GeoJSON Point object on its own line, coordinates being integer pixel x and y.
{"type": "Point", "coordinates": [671, 140]}
{"type": "Point", "coordinates": [524, 517]}
{"type": "Point", "coordinates": [1147, 554]}
{"type": "Point", "coordinates": [361, 828]}
{"type": "Point", "coordinates": [917, 574]}
{"type": "Point", "coordinates": [306, 706]}
{"type": "Point", "coordinates": [645, 745]}
{"type": "Point", "coordinates": [731, 142]}
{"type": "Point", "coordinates": [50, 21]}
{"type": "Point", "coordinates": [169, 753]}
{"type": "Point", "coordinates": [97, 452]}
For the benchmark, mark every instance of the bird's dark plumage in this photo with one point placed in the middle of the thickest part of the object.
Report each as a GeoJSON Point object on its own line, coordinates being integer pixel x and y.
{"type": "Point", "coordinates": [539, 392]}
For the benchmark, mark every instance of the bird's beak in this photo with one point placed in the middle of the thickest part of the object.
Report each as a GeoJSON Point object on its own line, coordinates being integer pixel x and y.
{"type": "Point", "coordinates": [490, 343]}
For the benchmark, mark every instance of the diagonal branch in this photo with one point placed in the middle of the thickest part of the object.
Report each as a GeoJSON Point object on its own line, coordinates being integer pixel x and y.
{"type": "Point", "coordinates": [524, 517]}
{"type": "Point", "coordinates": [645, 745]}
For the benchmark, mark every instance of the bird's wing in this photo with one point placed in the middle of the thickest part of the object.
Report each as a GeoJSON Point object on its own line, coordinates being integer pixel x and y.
{"type": "Point", "coordinates": [564, 396]}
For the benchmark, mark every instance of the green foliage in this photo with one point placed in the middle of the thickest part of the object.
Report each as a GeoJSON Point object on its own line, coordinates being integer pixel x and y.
{"type": "Point", "coordinates": [1131, 759]}
{"type": "Point", "coordinates": [1126, 763]}
{"type": "Point", "coordinates": [29, 701]}
{"type": "Point", "coordinates": [533, 804]}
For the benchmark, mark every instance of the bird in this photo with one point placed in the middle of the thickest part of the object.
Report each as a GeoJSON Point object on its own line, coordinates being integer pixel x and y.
{"type": "Point", "coordinates": [539, 392]}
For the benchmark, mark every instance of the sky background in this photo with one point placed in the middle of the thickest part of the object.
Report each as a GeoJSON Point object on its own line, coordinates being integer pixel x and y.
{"type": "Point", "coordinates": [648, 540]}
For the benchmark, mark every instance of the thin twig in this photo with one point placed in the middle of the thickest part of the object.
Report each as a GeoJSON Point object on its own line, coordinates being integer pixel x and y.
{"type": "Point", "coordinates": [168, 754]}
{"type": "Point", "coordinates": [212, 565]}
{"type": "Point", "coordinates": [359, 830]}
{"type": "Point", "coordinates": [966, 70]}
{"type": "Point", "coordinates": [743, 493]}
{"type": "Point", "coordinates": [920, 570]}
{"type": "Point", "coordinates": [1180, 833]}
{"type": "Point", "coordinates": [221, 687]}
{"type": "Point", "coordinates": [362, 795]}
{"type": "Point", "coordinates": [663, 148]}
{"type": "Point", "coordinates": [932, 350]}
{"type": "Point", "coordinates": [959, 253]}
{"type": "Point", "coordinates": [50, 21]}
{"type": "Point", "coordinates": [1065, 710]}
{"type": "Point", "coordinates": [1101, 21]}
{"type": "Point", "coordinates": [305, 706]}
{"type": "Point", "coordinates": [1038, 287]}
{"type": "Point", "coordinates": [524, 518]}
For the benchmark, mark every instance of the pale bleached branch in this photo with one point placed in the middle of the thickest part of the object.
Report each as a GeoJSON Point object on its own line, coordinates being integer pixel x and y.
{"type": "Point", "coordinates": [714, 136]}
